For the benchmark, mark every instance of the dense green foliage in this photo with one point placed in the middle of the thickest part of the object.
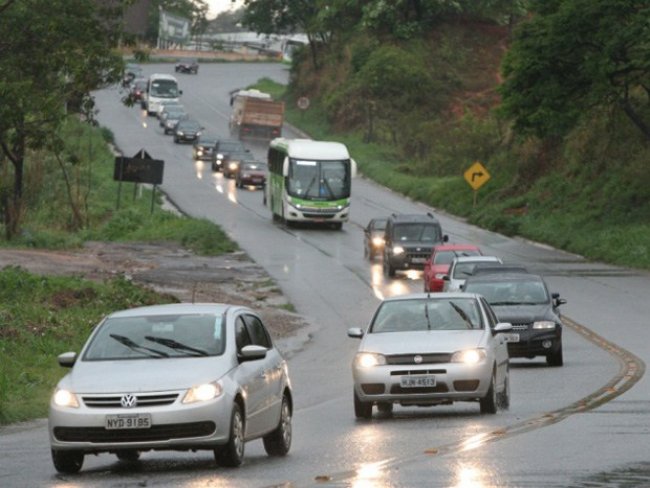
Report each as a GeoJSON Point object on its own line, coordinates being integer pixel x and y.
{"type": "Point", "coordinates": [61, 314]}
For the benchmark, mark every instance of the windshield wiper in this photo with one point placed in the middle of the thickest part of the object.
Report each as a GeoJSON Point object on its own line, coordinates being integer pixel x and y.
{"type": "Point", "coordinates": [171, 343]}
{"type": "Point", "coordinates": [426, 314]}
{"type": "Point", "coordinates": [462, 314]}
{"type": "Point", "coordinates": [506, 303]}
{"type": "Point", "coordinates": [125, 341]}
{"type": "Point", "coordinates": [311, 183]}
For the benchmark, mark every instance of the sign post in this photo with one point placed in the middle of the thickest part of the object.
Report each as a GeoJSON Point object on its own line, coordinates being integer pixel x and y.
{"type": "Point", "coordinates": [141, 168]}
{"type": "Point", "coordinates": [476, 176]}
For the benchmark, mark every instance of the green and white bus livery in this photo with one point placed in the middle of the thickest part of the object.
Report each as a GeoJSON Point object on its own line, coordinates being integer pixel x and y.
{"type": "Point", "coordinates": [309, 181]}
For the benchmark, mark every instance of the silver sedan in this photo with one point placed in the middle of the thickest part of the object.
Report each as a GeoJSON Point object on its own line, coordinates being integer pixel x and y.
{"type": "Point", "coordinates": [424, 350]}
{"type": "Point", "coordinates": [180, 376]}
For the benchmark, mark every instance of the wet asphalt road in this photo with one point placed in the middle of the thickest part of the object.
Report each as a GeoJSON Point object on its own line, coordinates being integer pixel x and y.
{"type": "Point", "coordinates": [554, 434]}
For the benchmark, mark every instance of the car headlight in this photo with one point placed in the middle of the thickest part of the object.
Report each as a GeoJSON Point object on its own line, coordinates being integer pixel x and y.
{"type": "Point", "coordinates": [219, 156]}
{"type": "Point", "coordinates": [232, 166]}
{"type": "Point", "coordinates": [398, 250]}
{"type": "Point", "coordinates": [65, 398]}
{"type": "Point", "coordinates": [377, 241]}
{"type": "Point", "coordinates": [203, 393]}
{"type": "Point", "coordinates": [180, 133]}
{"type": "Point", "coordinates": [469, 356]}
{"type": "Point", "coordinates": [198, 133]}
{"type": "Point", "coordinates": [544, 324]}
{"type": "Point", "coordinates": [369, 359]}
{"type": "Point", "coordinates": [199, 152]}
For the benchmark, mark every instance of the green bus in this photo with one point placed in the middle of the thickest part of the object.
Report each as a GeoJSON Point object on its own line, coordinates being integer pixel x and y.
{"type": "Point", "coordinates": [309, 181]}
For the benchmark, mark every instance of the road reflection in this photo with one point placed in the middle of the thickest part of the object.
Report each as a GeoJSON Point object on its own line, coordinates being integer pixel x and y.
{"type": "Point", "coordinates": [383, 287]}
{"type": "Point", "coordinates": [470, 476]}
{"type": "Point", "coordinates": [370, 475]}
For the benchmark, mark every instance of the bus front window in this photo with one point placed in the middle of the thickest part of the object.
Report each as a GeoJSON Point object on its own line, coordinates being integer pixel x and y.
{"type": "Point", "coordinates": [322, 180]}
{"type": "Point", "coordinates": [164, 89]}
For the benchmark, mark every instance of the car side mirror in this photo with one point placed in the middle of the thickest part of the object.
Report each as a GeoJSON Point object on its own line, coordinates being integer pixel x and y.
{"type": "Point", "coordinates": [355, 332]}
{"type": "Point", "coordinates": [67, 359]}
{"type": "Point", "coordinates": [251, 353]}
{"type": "Point", "coordinates": [502, 327]}
{"type": "Point", "coordinates": [445, 238]}
{"type": "Point", "coordinates": [445, 278]}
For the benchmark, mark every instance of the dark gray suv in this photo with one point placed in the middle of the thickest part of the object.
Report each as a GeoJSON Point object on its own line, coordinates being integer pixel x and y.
{"type": "Point", "coordinates": [409, 240]}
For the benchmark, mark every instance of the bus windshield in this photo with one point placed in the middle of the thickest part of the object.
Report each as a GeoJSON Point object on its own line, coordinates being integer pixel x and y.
{"type": "Point", "coordinates": [319, 180]}
{"type": "Point", "coordinates": [164, 89]}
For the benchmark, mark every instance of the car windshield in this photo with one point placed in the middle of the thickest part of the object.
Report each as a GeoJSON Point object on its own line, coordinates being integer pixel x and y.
{"type": "Point", "coordinates": [164, 89]}
{"type": "Point", "coordinates": [417, 232]}
{"type": "Point", "coordinates": [189, 124]}
{"type": "Point", "coordinates": [157, 337]}
{"type": "Point", "coordinates": [379, 224]}
{"type": "Point", "coordinates": [427, 314]}
{"type": "Point", "coordinates": [446, 257]}
{"type": "Point", "coordinates": [516, 292]}
{"type": "Point", "coordinates": [254, 166]}
{"type": "Point", "coordinates": [231, 147]}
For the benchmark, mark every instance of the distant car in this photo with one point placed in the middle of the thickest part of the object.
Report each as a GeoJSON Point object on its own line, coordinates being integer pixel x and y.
{"type": "Point", "coordinates": [251, 173]}
{"type": "Point", "coordinates": [181, 376]}
{"type": "Point", "coordinates": [462, 267]}
{"type": "Point", "coordinates": [373, 238]}
{"type": "Point", "coordinates": [167, 104]}
{"type": "Point", "coordinates": [524, 300]}
{"type": "Point", "coordinates": [232, 162]}
{"type": "Point", "coordinates": [187, 65]}
{"type": "Point", "coordinates": [138, 88]}
{"type": "Point", "coordinates": [171, 117]}
{"type": "Point", "coordinates": [187, 130]}
{"type": "Point", "coordinates": [437, 265]}
{"type": "Point", "coordinates": [204, 147]}
{"type": "Point", "coordinates": [131, 72]}
{"type": "Point", "coordinates": [409, 240]}
{"type": "Point", "coordinates": [425, 350]}
{"type": "Point", "coordinates": [223, 150]}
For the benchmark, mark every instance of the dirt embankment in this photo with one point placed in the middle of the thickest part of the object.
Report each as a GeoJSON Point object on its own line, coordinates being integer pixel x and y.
{"type": "Point", "coordinates": [233, 278]}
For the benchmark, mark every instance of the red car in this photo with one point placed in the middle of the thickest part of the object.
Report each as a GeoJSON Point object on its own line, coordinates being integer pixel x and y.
{"type": "Point", "coordinates": [437, 265]}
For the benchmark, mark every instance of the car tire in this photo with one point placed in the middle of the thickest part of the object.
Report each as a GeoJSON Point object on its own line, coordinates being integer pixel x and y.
{"type": "Point", "coordinates": [489, 401]}
{"type": "Point", "coordinates": [556, 358]}
{"type": "Point", "coordinates": [362, 410]}
{"type": "Point", "coordinates": [278, 442]}
{"type": "Point", "coordinates": [232, 454]}
{"type": "Point", "coordinates": [504, 396]}
{"type": "Point", "coordinates": [128, 455]}
{"type": "Point", "coordinates": [67, 462]}
{"type": "Point", "coordinates": [385, 408]}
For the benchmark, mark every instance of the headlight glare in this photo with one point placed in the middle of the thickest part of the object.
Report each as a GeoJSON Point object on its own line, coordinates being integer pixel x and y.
{"type": "Point", "coordinates": [398, 250]}
{"type": "Point", "coordinates": [469, 356]}
{"type": "Point", "coordinates": [377, 241]}
{"type": "Point", "coordinates": [65, 398]}
{"type": "Point", "coordinates": [369, 359]}
{"type": "Point", "coordinates": [544, 324]}
{"type": "Point", "coordinates": [202, 393]}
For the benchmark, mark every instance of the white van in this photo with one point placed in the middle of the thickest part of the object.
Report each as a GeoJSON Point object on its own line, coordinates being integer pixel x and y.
{"type": "Point", "coordinates": [160, 87]}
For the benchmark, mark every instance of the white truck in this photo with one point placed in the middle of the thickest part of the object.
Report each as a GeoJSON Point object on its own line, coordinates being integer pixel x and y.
{"type": "Point", "coordinates": [160, 87]}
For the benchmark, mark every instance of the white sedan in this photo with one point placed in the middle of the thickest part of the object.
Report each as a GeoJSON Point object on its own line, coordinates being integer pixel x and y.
{"type": "Point", "coordinates": [425, 350]}
{"type": "Point", "coordinates": [180, 376]}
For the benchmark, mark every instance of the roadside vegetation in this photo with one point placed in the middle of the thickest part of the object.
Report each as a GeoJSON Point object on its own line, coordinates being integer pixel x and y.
{"type": "Point", "coordinates": [419, 91]}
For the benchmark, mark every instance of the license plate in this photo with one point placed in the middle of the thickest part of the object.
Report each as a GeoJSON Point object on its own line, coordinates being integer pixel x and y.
{"type": "Point", "coordinates": [417, 381]}
{"type": "Point", "coordinates": [511, 337]}
{"type": "Point", "coordinates": [418, 260]}
{"type": "Point", "coordinates": [131, 421]}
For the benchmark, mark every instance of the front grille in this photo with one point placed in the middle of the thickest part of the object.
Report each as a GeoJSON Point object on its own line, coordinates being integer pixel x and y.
{"type": "Point", "coordinates": [466, 385]}
{"type": "Point", "coordinates": [401, 372]}
{"type": "Point", "coordinates": [439, 388]}
{"type": "Point", "coordinates": [422, 255]}
{"type": "Point", "coordinates": [310, 215]}
{"type": "Point", "coordinates": [520, 326]}
{"type": "Point", "coordinates": [99, 435]}
{"type": "Point", "coordinates": [143, 400]}
{"type": "Point", "coordinates": [430, 358]}
{"type": "Point", "coordinates": [373, 388]}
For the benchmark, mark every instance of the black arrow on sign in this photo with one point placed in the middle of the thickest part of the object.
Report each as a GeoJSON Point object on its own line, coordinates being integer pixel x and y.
{"type": "Point", "coordinates": [477, 174]}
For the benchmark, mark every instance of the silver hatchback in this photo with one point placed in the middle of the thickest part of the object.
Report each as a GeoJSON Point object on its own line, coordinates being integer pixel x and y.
{"type": "Point", "coordinates": [172, 377]}
{"type": "Point", "coordinates": [425, 350]}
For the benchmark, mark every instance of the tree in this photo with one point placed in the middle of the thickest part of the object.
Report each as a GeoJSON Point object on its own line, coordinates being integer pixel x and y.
{"type": "Point", "coordinates": [52, 54]}
{"type": "Point", "coordinates": [573, 55]}
{"type": "Point", "coordinates": [194, 10]}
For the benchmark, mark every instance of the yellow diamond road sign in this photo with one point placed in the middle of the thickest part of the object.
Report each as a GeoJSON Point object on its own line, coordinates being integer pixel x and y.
{"type": "Point", "coordinates": [476, 175]}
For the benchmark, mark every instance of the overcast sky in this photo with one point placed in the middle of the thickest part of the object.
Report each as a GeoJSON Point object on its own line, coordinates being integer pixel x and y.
{"type": "Point", "coordinates": [218, 6]}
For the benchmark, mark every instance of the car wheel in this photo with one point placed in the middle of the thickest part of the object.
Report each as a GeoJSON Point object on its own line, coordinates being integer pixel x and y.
{"type": "Point", "coordinates": [362, 410]}
{"type": "Point", "coordinates": [278, 442]}
{"type": "Point", "coordinates": [555, 358]}
{"type": "Point", "coordinates": [232, 454]}
{"type": "Point", "coordinates": [68, 462]}
{"type": "Point", "coordinates": [489, 401]}
{"type": "Point", "coordinates": [504, 396]}
{"type": "Point", "coordinates": [128, 455]}
{"type": "Point", "coordinates": [385, 408]}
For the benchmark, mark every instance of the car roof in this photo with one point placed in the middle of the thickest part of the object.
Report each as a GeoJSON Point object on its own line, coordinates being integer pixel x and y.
{"type": "Point", "coordinates": [498, 268]}
{"type": "Point", "coordinates": [477, 259]}
{"type": "Point", "coordinates": [413, 218]}
{"type": "Point", "coordinates": [432, 296]}
{"type": "Point", "coordinates": [503, 277]}
{"type": "Point", "coordinates": [172, 309]}
{"type": "Point", "coordinates": [455, 247]}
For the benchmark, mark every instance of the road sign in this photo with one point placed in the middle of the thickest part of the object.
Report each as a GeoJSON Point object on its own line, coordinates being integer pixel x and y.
{"type": "Point", "coordinates": [476, 175]}
{"type": "Point", "coordinates": [303, 103]}
{"type": "Point", "coordinates": [141, 168]}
